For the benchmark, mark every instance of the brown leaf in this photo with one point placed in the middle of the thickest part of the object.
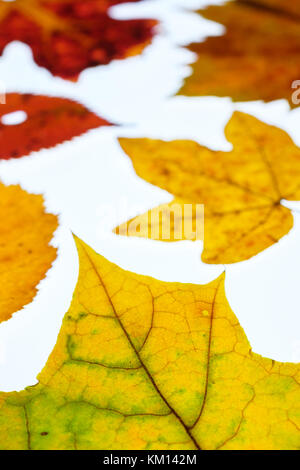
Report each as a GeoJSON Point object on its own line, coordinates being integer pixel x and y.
{"type": "Point", "coordinates": [257, 57]}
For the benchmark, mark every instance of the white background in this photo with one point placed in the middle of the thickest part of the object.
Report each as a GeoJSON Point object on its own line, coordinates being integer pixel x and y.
{"type": "Point", "coordinates": [82, 178]}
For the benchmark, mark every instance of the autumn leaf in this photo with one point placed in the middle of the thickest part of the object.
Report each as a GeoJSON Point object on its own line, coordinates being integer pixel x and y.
{"type": "Point", "coordinates": [145, 364]}
{"type": "Point", "coordinates": [67, 36]}
{"type": "Point", "coordinates": [242, 190]}
{"type": "Point", "coordinates": [257, 56]}
{"type": "Point", "coordinates": [280, 6]}
{"type": "Point", "coordinates": [49, 121]}
{"type": "Point", "coordinates": [25, 254]}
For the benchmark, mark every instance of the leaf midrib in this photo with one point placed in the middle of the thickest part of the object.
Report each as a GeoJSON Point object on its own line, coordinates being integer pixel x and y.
{"type": "Point", "coordinates": [187, 430]}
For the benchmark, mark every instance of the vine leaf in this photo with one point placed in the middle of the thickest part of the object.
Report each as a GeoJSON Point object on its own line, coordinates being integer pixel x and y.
{"type": "Point", "coordinates": [68, 36]}
{"type": "Point", "coordinates": [146, 364]}
{"type": "Point", "coordinates": [242, 190]}
{"type": "Point", "coordinates": [25, 254]}
{"type": "Point", "coordinates": [255, 58]}
{"type": "Point", "coordinates": [48, 122]}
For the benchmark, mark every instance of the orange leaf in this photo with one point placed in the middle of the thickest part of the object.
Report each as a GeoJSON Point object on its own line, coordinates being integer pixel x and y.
{"type": "Point", "coordinates": [257, 56]}
{"type": "Point", "coordinates": [50, 121]}
{"type": "Point", "coordinates": [25, 253]}
{"type": "Point", "coordinates": [67, 36]}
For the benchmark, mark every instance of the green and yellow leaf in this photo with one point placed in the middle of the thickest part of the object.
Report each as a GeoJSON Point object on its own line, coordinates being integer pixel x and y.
{"type": "Point", "coordinates": [145, 364]}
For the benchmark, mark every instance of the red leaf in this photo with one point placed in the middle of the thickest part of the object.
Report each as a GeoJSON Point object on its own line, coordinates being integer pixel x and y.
{"type": "Point", "coordinates": [50, 121]}
{"type": "Point", "coordinates": [67, 36]}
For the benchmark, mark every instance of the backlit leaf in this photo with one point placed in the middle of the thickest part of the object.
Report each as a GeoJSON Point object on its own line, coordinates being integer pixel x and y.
{"type": "Point", "coordinates": [145, 364]}
{"type": "Point", "coordinates": [242, 190]}
{"type": "Point", "coordinates": [25, 253]}
{"type": "Point", "coordinates": [256, 58]}
{"type": "Point", "coordinates": [67, 36]}
{"type": "Point", "coordinates": [48, 121]}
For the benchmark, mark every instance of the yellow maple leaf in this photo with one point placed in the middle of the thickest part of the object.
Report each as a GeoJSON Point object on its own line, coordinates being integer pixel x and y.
{"type": "Point", "coordinates": [242, 190]}
{"type": "Point", "coordinates": [145, 364]}
{"type": "Point", "coordinates": [25, 253]}
{"type": "Point", "coordinates": [257, 56]}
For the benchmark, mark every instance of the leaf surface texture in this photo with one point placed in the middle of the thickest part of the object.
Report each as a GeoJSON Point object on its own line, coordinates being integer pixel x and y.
{"type": "Point", "coordinates": [145, 364]}
{"type": "Point", "coordinates": [242, 190]}
{"type": "Point", "coordinates": [26, 255]}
